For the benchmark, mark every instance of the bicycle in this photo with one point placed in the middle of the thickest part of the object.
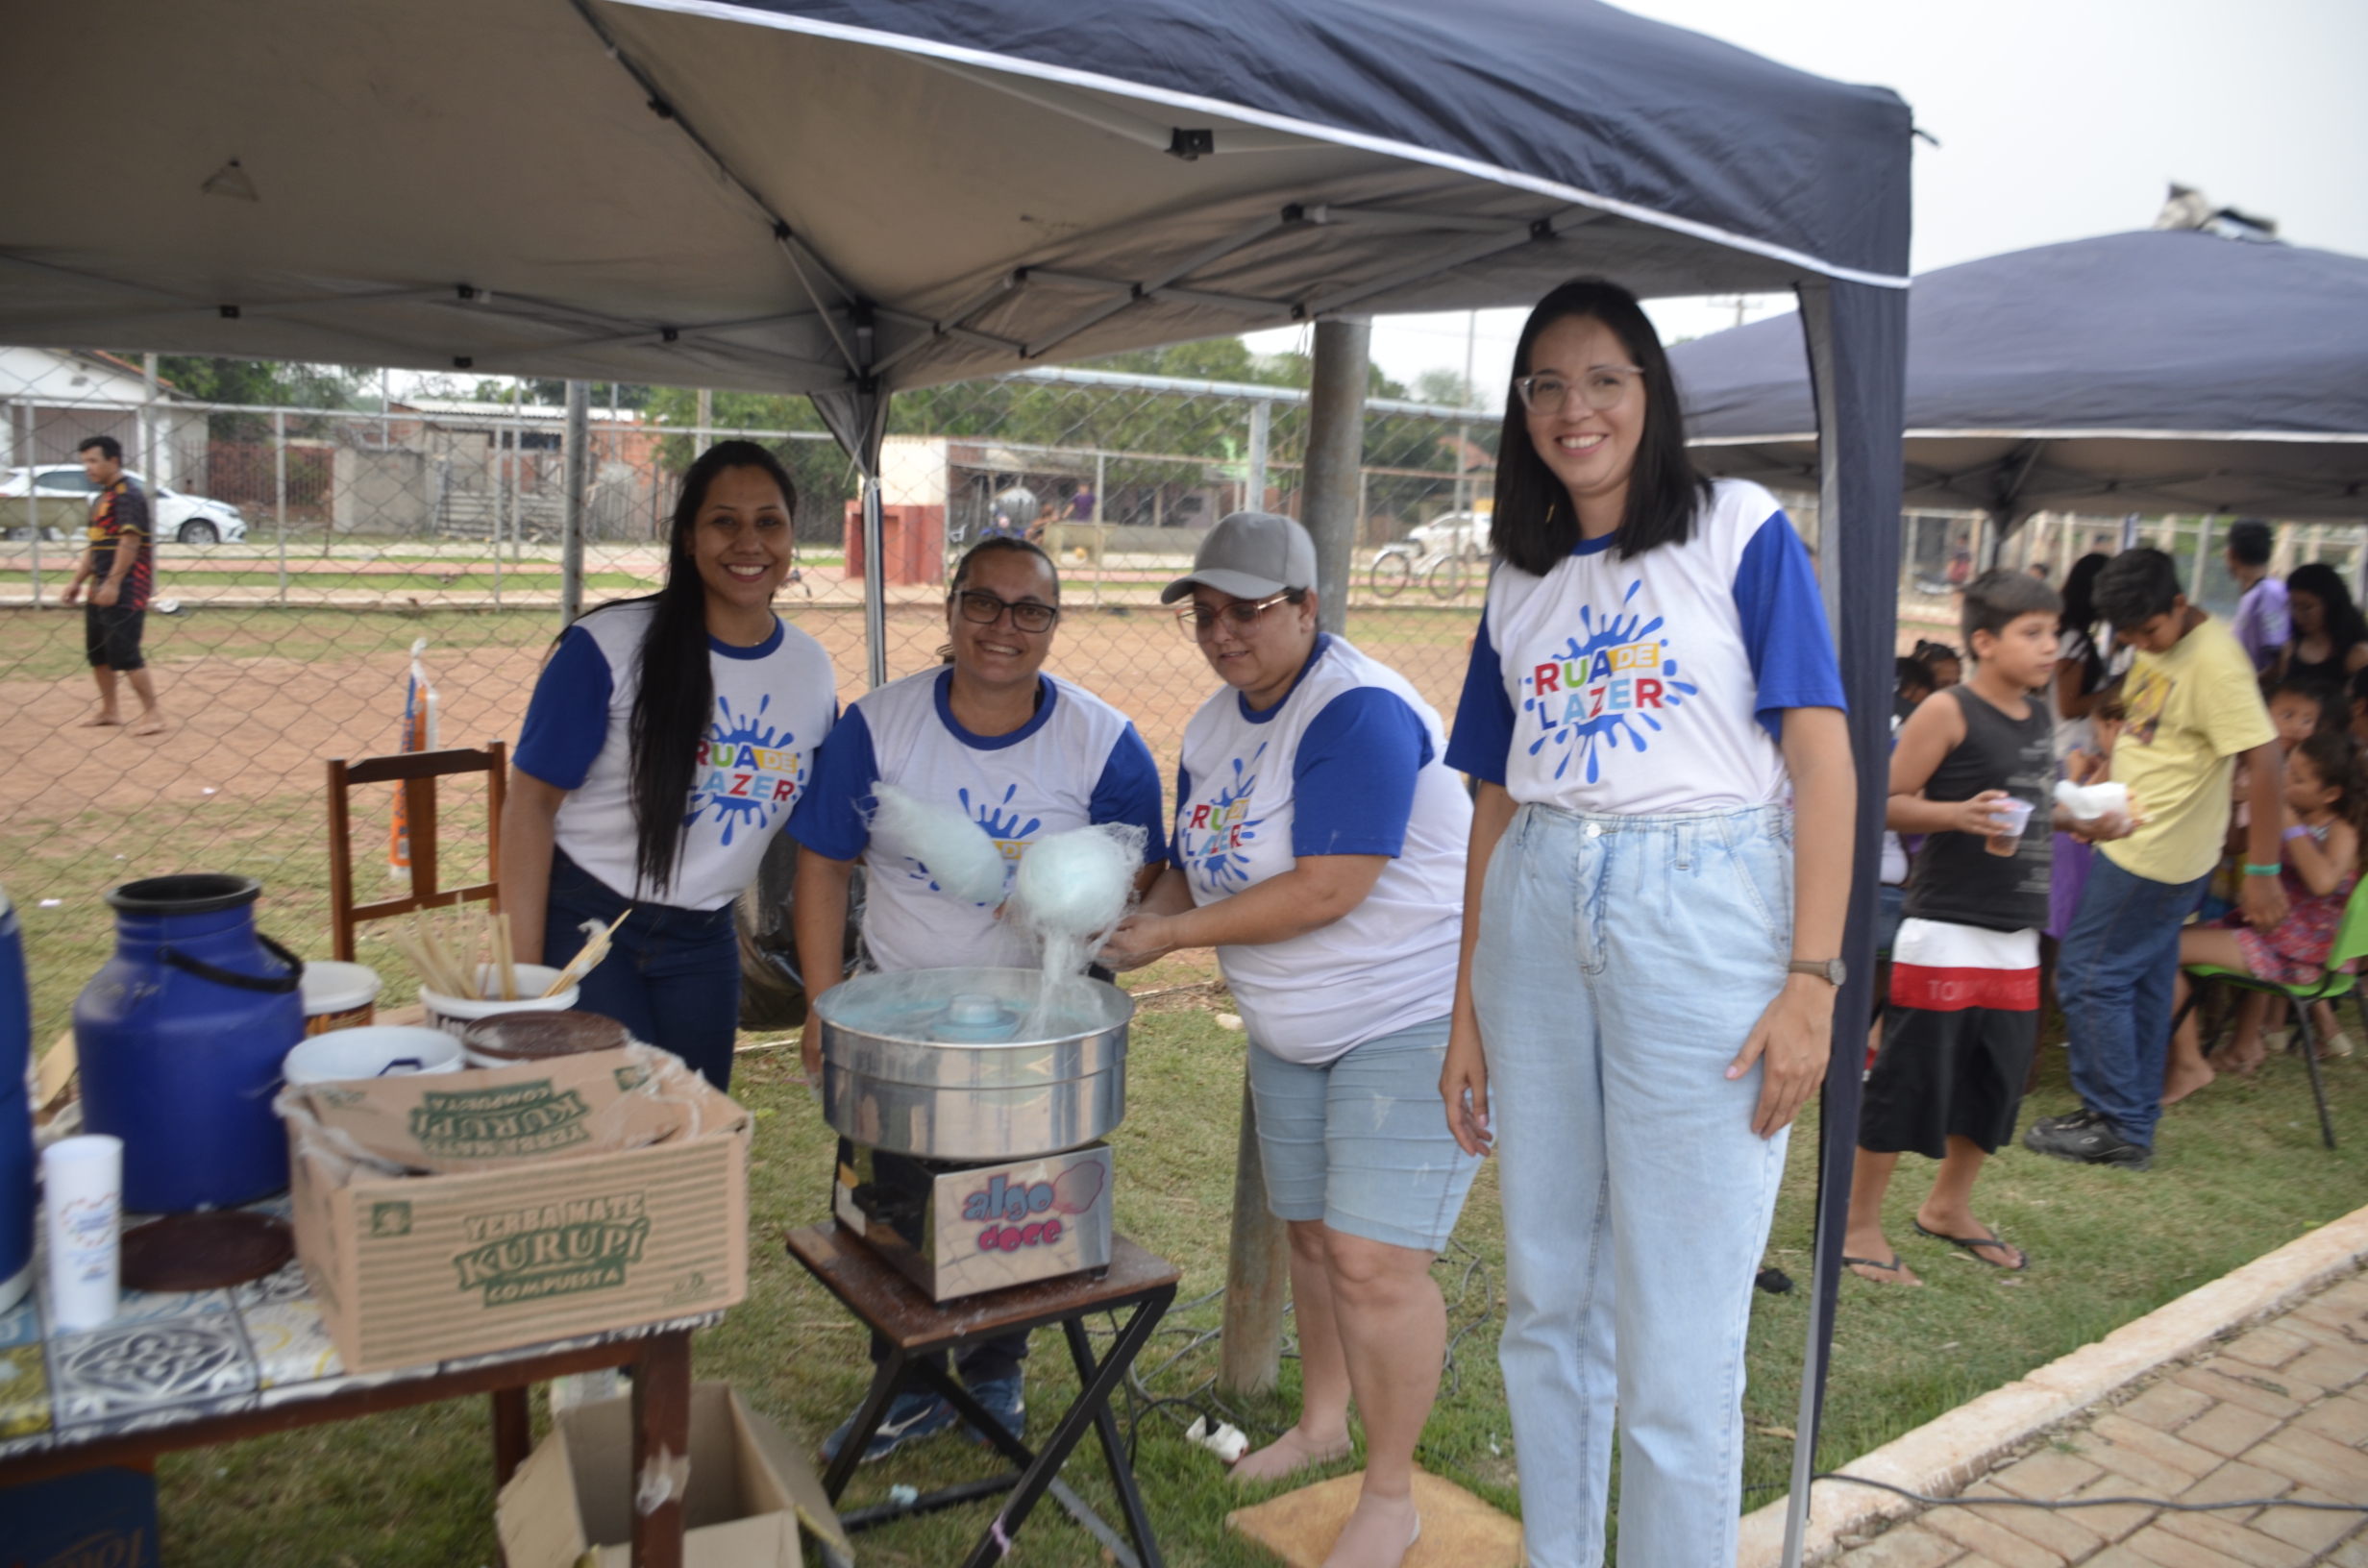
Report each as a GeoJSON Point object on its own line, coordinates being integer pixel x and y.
{"type": "Point", "coordinates": [1441, 571]}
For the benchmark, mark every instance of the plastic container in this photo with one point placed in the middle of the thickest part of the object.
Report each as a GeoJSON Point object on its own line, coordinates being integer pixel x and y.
{"type": "Point", "coordinates": [339, 995]}
{"type": "Point", "coordinates": [513, 1037]}
{"type": "Point", "coordinates": [2012, 816]}
{"type": "Point", "coordinates": [16, 1113]}
{"type": "Point", "coordinates": [379, 1050]}
{"type": "Point", "coordinates": [179, 1037]}
{"type": "Point", "coordinates": [455, 1013]}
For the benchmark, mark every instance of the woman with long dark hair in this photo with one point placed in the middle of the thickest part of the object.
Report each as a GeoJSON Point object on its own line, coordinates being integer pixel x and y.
{"type": "Point", "coordinates": [2330, 636]}
{"type": "Point", "coordinates": [1654, 718]}
{"type": "Point", "coordinates": [668, 738]}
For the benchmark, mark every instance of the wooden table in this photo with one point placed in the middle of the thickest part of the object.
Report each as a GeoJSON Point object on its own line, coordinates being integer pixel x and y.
{"type": "Point", "coordinates": [186, 1370]}
{"type": "Point", "coordinates": [914, 1326]}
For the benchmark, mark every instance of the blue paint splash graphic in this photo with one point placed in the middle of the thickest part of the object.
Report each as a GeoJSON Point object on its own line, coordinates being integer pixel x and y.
{"type": "Point", "coordinates": [732, 741]}
{"type": "Point", "coordinates": [1588, 737]}
{"type": "Point", "coordinates": [1221, 867]}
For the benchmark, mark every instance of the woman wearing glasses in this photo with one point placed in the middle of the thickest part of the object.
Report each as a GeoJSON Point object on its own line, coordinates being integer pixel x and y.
{"type": "Point", "coordinates": [1022, 754]}
{"type": "Point", "coordinates": [1654, 716]}
{"type": "Point", "coordinates": [697, 692]}
{"type": "Point", "coordinates": [1319, 848]}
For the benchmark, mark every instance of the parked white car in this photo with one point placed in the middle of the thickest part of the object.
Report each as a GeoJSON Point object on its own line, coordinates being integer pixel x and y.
{"type": "Point", "coordinates": [1464, 533]}
{"type": "Point", "coordinates": [61, 500]}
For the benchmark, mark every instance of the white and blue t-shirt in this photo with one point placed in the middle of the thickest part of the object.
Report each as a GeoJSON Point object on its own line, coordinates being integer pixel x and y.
{"type": "Point", "coordinates": [774, 703]}
{"type": "Point", "coordinates": [1656, 683]}
{"type": "Point", "coordinates": [1349, 762]}
{"type": "Point", "coordinates": [1077, 762]}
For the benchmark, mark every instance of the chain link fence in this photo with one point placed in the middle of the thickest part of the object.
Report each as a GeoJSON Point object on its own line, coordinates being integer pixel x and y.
{"type": "Point", "coordinates": [303, 552]}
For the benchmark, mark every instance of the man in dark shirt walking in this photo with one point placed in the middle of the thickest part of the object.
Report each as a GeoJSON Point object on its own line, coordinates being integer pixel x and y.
{"type": "Point", "coordinates": [121, 564]}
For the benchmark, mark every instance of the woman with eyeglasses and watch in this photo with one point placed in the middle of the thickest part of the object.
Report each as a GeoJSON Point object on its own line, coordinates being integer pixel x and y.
{"type": "Point", "coordinates": [1022, 754]}
{"type": "Point", "coordinates": [665, 744]}
{"type": "Point", "coordinates": [1320, 847]}
{"type": "Point", "coordinates": [1661, 853]}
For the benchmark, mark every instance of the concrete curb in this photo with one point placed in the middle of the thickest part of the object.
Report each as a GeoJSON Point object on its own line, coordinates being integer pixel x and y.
{"type": "Point", "coordinates": [1952, 1451]}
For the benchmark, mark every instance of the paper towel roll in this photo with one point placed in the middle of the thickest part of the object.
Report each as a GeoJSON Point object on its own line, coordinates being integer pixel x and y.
{"type": "Point", "coordinates": [81, 1197]}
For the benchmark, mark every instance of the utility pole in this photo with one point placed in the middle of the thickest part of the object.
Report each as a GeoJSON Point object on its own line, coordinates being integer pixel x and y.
{"type": "Point", "coordinates": [578, 462]}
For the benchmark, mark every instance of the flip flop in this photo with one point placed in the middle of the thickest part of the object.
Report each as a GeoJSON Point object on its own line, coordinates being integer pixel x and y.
{"type": "Point", "coordinates": [1971, 1244]}
{"type": "Point", "coordinates": [1895, 1266]}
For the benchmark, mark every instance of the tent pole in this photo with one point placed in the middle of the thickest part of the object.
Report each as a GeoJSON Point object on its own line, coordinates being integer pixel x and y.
{"type": "Point", "coordinates": [1334, 456]}
{"type": "Point", "coordinates": [875, 584]}
{"type": "Point", "coordinates": [1856, 339]}
{"type": "Point", "coordinates": [578, 463]}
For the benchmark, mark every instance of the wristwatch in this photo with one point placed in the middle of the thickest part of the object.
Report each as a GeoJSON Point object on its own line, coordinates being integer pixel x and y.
{"type": "Point", "coordinates": [1830, 969]}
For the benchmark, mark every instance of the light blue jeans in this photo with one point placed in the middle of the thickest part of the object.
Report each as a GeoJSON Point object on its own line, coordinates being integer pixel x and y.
{"type": "Point", "coordinates": [1623, 961]}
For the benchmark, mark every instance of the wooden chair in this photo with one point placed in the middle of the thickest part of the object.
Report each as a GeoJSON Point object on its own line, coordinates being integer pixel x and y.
{"type": "Point", "coordinates": [2334, 982]}
{"type": "Point", "coordinates": [417, 772]}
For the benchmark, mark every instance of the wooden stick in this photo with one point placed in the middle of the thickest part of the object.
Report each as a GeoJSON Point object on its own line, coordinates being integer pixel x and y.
{"type": "Point", "coordinates": [505, 955]}
{"type": "Point", "coordinates": [584, 961]}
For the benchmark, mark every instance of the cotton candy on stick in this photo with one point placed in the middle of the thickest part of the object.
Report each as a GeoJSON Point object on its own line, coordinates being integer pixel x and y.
{"type": "Point", "coordinates": [1076, 884]}
{"type": "Point", "coordinates": [955, 851]}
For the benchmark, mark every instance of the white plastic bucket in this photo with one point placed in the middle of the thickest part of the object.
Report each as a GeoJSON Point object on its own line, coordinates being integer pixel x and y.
{"type": "Point", "coordinates": [383, 1050]}
{"type": "Point", "coordinates": [455, 1013]}
{"type": "Point", "coordinates": [340, 996]}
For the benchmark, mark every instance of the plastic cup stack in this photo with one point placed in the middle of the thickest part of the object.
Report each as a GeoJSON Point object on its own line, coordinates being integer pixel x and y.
{"type": "Point", "coordinates": [81, 1197]}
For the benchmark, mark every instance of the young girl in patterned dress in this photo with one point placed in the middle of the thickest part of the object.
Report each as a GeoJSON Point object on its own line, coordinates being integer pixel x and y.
{"type": "Point", "coordinates": [2326, 807]}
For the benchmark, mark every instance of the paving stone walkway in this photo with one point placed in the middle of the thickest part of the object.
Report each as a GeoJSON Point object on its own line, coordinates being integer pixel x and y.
{"type": "Point", "coordinates": [2281, 1412]}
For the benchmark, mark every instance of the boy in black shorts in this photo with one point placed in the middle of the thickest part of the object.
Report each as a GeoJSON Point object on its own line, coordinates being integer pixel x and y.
{"type": "Point", "coordinates": [121, 562]}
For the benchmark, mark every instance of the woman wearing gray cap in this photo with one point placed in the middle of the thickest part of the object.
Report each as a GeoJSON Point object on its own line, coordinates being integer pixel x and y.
{"type": "Point", "coordinates": [1320, 847]}
{"type": "Point", "coordinates": [1654, 715]}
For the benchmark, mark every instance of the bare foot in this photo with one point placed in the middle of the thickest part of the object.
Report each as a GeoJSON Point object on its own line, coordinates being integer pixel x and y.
{"type": "Point", "coordinates": [2234, 1059]}
{"type": "Point", "coordinates": [151, 723]}
{"type": "Point", "coordinates": [1962, 1230]}
{"type": "Point", "coordinates": [1291, 1453]}
{"type": "Point", "coordinates": [2181, 1080]}
{"type": "Point", "coordinates": [99, 721]}
{"type": "Point", "coordinates": [1377, 1534]}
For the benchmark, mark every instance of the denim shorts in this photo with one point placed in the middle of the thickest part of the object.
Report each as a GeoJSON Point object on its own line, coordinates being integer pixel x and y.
{"type": "Point", "coordinates": [1361, 1143]}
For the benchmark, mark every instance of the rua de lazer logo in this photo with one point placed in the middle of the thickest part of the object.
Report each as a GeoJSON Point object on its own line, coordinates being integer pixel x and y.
{"type": "Point", "coordinates": [553, 1249]}
{"type": "Point", "coordinates": [492, 1123]}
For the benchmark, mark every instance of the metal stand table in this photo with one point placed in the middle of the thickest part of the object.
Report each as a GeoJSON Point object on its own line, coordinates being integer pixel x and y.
{"type": "Point", "coordinates": [915, 1326]}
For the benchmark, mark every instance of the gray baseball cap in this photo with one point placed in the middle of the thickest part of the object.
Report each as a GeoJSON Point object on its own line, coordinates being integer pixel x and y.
{"type": "Point", "coordinates": [1249, 555]}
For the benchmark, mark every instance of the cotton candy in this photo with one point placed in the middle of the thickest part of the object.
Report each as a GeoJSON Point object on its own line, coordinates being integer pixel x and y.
{"type": "Point", "coordinates": [1076, 884]}
{"type": "Point", "coordinates": [961, 860]}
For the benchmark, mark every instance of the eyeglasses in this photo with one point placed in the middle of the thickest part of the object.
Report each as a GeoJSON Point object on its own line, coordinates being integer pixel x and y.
{"type": "Point", "coordinates": [1602, 388]}
{"type": "Point", "coordinates": [1199, 619]}
{"type": "Point", "coordinates": [983, 608]}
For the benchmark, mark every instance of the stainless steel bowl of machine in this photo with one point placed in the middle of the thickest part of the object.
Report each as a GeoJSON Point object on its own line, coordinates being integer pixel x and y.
{"type": "Point", "coordinates": [974, 1064]}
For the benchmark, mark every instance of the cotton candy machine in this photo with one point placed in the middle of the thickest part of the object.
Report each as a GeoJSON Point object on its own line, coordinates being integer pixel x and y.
{"type": "Point", "coordinates": [969, 1103]}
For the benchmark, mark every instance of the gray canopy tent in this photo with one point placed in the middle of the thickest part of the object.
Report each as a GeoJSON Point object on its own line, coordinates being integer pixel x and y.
{"type": "Point", "coordinates": [843, 200]}
{"type": "Point", "coordinates": [2159, 371]}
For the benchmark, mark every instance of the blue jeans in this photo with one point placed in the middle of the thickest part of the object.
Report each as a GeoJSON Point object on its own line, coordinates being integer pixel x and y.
{"type": "Point", "coordinates": [1361, 1143]}
{"type": "Point", "coordinates": [2115, 975]}
{"type": "Point", "coordinates": [1623, 961]}
{"type": "Point", "coordinates": [672, 975]}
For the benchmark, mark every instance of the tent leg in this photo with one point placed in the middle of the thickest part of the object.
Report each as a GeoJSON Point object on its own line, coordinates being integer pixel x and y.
{"type": "Point", "coordinates": [875, 588]}
{"type": "Point", "coordinates": [578, 464]}
{"type": "Point", "coordinates": [1857, 344]}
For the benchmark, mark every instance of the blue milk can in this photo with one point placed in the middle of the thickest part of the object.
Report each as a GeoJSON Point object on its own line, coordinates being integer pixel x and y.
{"type": "Point", "coordinates": [16, 1113]}
{"type": "Point", "coordinates": [181, 1037]}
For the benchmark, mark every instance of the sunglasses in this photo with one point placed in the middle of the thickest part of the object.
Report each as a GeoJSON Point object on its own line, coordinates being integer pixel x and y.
{"type": "Point", "coordinates": [984, 609]}
{"type": "Point", "coordinates": [1199, 619]}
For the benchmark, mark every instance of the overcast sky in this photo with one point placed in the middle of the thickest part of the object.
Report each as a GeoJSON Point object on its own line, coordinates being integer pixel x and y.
{"type": "Point", "coordinates": [2057, 119]}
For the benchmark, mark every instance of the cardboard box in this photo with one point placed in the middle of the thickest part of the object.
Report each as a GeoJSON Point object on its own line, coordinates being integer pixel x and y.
{"type": "Point", "coordinates": [956, 1229]}
{"type": "Point", "coordinates": [455, 1213]}
{"type": "Point", "coordinates": [572, 1501]}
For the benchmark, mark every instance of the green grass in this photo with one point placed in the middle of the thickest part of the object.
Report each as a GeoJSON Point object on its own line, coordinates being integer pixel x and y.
{"type": "Point", "coordinates": [47, 644]}
{"type": "Point", "coordinates": [426, 576]}
{"type": "Point", "coordinates": [2240, 1173]}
